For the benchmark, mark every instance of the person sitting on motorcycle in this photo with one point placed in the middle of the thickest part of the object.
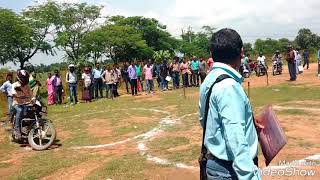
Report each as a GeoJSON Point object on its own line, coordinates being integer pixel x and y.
{"type": "Point", "coordinates": [22, 96]}
{"type": "Point", "coordinates": [276, 59]}
{"type": "Point", "coordinates": [261, 59]}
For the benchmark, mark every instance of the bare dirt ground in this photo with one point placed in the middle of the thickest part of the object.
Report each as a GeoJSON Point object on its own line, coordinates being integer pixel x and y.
{"type": "Point", "coordinates": [307, 77]}
{"type": "Point", "coordinates": [303, 138]}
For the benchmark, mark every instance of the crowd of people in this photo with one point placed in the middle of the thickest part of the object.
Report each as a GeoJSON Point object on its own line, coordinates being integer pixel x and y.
{"type": "Point", "coordinates": [104, 82]}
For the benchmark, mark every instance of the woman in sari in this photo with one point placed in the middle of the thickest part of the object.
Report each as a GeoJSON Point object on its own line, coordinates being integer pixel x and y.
{"type": "Point", "coordinates": [51, 92]}
{"type": "Point", "coordinates": [87, 79]}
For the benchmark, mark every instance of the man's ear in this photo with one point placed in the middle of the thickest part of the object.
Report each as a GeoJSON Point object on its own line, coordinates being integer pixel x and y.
{"type": "Point", "coordinates": [242, 53]}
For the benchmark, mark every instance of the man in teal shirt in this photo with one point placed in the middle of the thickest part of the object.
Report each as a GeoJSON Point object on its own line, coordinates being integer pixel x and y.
{"type": "Point", "coordinates": [195, 65]}
{"type": "Point", "coordinates": [230, 137]}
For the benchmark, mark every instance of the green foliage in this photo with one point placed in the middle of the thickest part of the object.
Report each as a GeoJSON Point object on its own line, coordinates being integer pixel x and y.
{"type": "Point", "coordinates": [306, 39]}
{"type": "Point", "coordinates": [73, 22]}
{"type": "Point", "coordinates": [152, 32]}
{"type": "Point", "coordinates": [161, 55]}
{"type": "Point", "coordinates": [22, 36]}
{"type": "Point", "coordinates": [196, 44]}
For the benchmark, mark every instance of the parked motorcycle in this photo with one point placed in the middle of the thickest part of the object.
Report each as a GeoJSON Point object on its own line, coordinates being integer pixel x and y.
{"type": "Point", "coordinates": [39, 132]}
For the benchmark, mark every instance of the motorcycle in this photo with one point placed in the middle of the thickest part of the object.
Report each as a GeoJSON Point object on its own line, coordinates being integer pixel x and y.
{"type": "Point", "coordinates": [261, 69]}
{"type": "Point", "coordinates": [39, 132]}
{"type": "Point", "coordinates": [244, 71]}
{"type": "Point", "coordinates": [276, 68]}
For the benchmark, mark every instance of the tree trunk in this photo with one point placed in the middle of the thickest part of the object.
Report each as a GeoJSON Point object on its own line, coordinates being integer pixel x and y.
{"type": "Point", "coordinates": [22, 64]}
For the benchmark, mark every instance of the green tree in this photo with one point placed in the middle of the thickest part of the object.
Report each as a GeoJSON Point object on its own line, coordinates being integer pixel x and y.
{"type": "Point", "coordinates": [161, 55]}
{"type": "Point", "coordinates": [117, 42]}
{"type": "Point", "coordinates": [22, 36]}
{"type": "Point", "coordinates": [152, 31]}
{"type": "Point", "coordinates": [248, 48]}
{"type": "Point", "coordinates": [306, 39]}
{"type": "Point", "coordinates": [73, 22]}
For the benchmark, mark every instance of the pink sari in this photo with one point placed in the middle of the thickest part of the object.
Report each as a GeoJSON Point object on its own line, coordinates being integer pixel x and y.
{"type": "Point", "coordinates": [51, 92]}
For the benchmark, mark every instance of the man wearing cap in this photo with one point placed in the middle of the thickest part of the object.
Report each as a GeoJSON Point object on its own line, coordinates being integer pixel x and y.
{"type": "Point", "coordinates": [72, 80]}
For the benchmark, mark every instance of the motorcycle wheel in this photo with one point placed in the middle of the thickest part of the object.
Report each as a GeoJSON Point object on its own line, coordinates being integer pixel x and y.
{"type": "Point", "coordinates": [246, 75]}
{"type": "Point", "coordinates": [44, 139]}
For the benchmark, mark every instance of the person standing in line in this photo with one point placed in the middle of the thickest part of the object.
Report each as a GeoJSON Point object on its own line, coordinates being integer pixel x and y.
{"type": "Point", "coordinates": [51, 92]}
{"type": "Point", "coordinates": [72, 80]}
{"type": "Point", "coordinates": [203, 69]}
{"type": "Point", "coordinates": [108, 78]}
{"type": "Point", "coordinates": [306, 58]}
{"type": "Point", "coordinates": [139, 67]}
{"type": "Point", "coordinates": [298, 62]}
{"type": "Point", "coordinates": [195, 65]}
{"type": "Point", "coordinates": [175, 66]}
{"type": "Point", "coordinates": [148, 73]}
{"type": "Point", "coordinates": [184, 71]}
{"type": "Point", "coordinates": [125, 75]}
{"type": "Point", "coordinates": [164, 72]}
{"type": "Point", "coordinates": [6, 88]}
{"type": "Point", "coordinates": [58, 88]}
{"type": "Point", "coordinates": [292, 64]}
{"type": "Point", "coordinates": [97, 81]}
{"type": "Point", "coordinates": [117, 80]}
{"type": "Point", "coordinates": [156, 70]}
{"type": "Point", "coordinates": [87, 81]}
{"type": "Point", "coordinates": [230, 136]}
{"type": "Point", "coordinates": [132, 71]}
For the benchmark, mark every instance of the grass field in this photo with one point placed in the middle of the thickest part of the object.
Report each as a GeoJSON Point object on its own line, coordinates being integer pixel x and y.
{"type": "Point", "coordinates": [157, 137]}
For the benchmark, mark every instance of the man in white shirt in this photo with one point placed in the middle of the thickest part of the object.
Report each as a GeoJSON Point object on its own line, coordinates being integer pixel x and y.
{"type": "Point", "coordinates": [6, 88]}
{"type": "Point", "coordinates": [71, 78]}
{"type": "Point", "coordinates": [261, 59]}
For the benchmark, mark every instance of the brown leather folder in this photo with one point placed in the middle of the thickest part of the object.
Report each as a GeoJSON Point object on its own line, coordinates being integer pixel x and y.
{"type": "Point", "coordinates": [272, 138]}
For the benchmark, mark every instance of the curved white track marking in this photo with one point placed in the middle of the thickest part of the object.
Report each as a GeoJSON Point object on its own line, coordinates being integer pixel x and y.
{"type": "Point", "coordinates": [153, 132]}
{"type": "Point", "coordinates": [143, 148]}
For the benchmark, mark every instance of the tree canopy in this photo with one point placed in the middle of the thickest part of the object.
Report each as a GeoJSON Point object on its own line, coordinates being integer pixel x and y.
{"type": "Point", "coordinates": [79, 30]}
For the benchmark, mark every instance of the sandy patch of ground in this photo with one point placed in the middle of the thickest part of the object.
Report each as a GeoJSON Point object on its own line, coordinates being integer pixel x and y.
{"type": "Point", "coordinates": [99, 127]}
{"type": "Point", "coordinates": [63, 135]}
{"type": "Point", "coordinates": [77, 172]}
{"type": "Point", "coordinates": [15, 162]}
{"type": "Point", "coordinates": [309, 77]}
{"type": "Point", "coordinates": [171, 174]}
{"type": "Point", "coordinates": [147, 98]}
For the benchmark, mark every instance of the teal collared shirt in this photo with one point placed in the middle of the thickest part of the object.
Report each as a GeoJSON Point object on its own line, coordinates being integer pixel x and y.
{"type": "Point", "coordinates": [230, 133]}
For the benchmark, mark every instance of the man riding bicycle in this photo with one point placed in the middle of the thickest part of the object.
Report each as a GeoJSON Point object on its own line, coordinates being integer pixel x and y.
{"type": "Point", "coordinates": [22, 96]}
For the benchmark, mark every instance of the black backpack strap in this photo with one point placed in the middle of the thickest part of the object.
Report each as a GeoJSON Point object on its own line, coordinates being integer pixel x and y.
{"type": "Point", "coordinates": [219, 79]}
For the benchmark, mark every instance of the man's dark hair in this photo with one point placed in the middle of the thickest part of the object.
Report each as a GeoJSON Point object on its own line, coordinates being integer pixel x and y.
{"type": "Point", "coordinates": [226, 46]}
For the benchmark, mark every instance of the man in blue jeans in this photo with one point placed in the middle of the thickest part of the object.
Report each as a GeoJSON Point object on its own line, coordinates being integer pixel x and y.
{"type": "Point", "coordinates": [22, 96]}
{"type": "Point", "coordinates": [72, 80]}
{"type": "Point", "coordinates": [175, 66]}
{"type": "Point", "coordinates": [97, 81]}
{"type": "Point", "coordinates": [6, 88]}
{"type": "Point", "coordinates": [231, 138]}
{"type": "Point", "coordinates": [195, 65]}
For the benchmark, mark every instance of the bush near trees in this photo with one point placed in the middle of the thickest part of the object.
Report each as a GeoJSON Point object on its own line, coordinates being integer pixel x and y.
{"type": "Point", "coordinates": [85, 36]}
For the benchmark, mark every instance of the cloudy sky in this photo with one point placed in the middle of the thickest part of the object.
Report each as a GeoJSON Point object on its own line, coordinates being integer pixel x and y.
{"type": "Point", "coordinates": [251, 18]}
